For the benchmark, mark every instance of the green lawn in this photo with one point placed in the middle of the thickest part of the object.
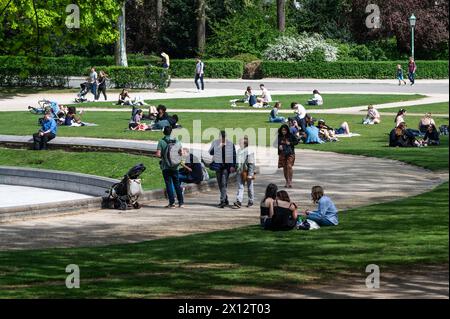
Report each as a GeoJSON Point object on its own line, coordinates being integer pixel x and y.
{"type": "Point", "coordinates": [113, 165]}
{"type": "Point", "coordinates": [372, 142]}
{"type": "Point", "coordinates": [331, 101]}
{"type": "Point", "coordinates": [397, 235]}
{"type": "Point", "coordinates": [434, 108]}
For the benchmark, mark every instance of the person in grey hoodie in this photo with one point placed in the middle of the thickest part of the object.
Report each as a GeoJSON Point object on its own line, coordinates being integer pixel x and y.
{"type": "Point", "coordinates": [245, 173]}
{"type": "Point", "coordinates": [223, 152]}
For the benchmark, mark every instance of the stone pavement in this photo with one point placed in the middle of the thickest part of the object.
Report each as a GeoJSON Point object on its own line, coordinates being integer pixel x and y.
{"type": "Point", "coordinates": [352, 181]}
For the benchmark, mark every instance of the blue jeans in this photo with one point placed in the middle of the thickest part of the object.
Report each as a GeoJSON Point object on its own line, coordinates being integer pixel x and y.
{"type": "Point", "coordinates": [278, 119]}
{"type": "Point", "coordinates": [94, 89]}
{"type": "Point", "coordinates": [183, 179]}
{"type": "Point", "coordinates": [199, 77]}
{"type": "Point", "coordinates": [172, 181]}
{"type": "Point", "coordinates": [411, 77]}
{"type": "Point", "coordinates": [320, 220]}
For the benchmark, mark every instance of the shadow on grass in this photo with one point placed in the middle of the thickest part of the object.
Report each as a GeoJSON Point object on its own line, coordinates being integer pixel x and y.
{"type": "Point", "coordinates": [402, 233]}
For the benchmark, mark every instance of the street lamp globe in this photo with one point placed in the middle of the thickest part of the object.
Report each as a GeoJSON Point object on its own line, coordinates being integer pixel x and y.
{"type": "Point", "coordinates": [412, 21]}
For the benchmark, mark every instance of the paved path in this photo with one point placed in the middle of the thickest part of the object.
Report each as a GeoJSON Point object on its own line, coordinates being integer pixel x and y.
{"type": "Point", "coordinates": [351, 181]}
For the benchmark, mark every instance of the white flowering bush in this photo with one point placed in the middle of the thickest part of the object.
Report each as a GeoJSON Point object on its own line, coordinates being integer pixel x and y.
{"type": "Point", "coordinates": [300, 48]}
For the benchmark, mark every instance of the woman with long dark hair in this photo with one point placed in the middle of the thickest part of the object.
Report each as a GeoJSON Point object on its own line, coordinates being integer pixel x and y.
{"type": "Point", "coordinates": [266, 206]}
{"type": "Point", "coordinates": [286, 153]}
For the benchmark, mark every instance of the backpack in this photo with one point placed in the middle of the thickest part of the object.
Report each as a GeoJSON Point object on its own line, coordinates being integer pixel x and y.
{"type": "Point", "coordinates": [443, 129]}
{"type": "Point", "coordinates": [171, 155]}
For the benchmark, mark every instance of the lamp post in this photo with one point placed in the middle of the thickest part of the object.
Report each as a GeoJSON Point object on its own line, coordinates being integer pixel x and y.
{"type": "Point", "coordinates": [412, 23]}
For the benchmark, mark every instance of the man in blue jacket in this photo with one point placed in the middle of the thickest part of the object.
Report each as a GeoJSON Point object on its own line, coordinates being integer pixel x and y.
{"type": "Point", "coordinates": [46, 133]}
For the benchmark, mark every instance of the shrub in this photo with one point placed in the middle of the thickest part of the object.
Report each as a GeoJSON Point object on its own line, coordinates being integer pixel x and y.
{"type": "Point", "coordinates": [245, 57]}
{"type": "Point", "coordinates": [219, 69]}
{"type": "Point", "coordinates": [300, 48]}
{"type": "Point", "coordinates": [137, 76]}
{"type": "Point", "coordinates": [351, 69]}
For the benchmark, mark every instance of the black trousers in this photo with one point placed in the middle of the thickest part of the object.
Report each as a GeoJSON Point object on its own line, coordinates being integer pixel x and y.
{"type": "Point", "coordinates": [40, 142]}
{"type": "Point", "coordinates": [199, 77]}
{"type": "Point", "coordinates": [101, 89]}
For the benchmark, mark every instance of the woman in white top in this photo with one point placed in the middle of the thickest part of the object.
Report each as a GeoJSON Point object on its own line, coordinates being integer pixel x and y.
{"type": "Point", "coordinates": [372, 117]}
{"type": "Point", "coordinates": [425, 122]}
{"type": "Point", "coordinates": [317, 99]}
{"type": "Point", "coordinates": [400, 118]}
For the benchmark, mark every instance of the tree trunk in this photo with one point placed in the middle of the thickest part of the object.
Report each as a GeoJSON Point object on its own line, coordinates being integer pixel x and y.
{"type": "Point", "coordinates": [201, 26]}
{"type": "Point", "coordinates": [159, 10]}
{"type": "Point", "coordinates": [281, 15]}
{"type": "Point", "coordinates": [121, 43]}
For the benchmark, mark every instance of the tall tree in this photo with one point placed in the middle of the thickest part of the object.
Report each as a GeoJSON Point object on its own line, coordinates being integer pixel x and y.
{"type": "Point", "coordinates": [201, 26]}
{"type": "Point", "coordinates": [281, 15]}
{"type": "Point", "coordinates": [121, 43]}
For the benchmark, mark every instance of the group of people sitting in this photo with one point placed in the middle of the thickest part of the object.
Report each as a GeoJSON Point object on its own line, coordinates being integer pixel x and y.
{"type": "Point", "coordinates": [158, 116]}
{"type": "Point", "coordinates": [279, 212]}
{"type": "Point", "coordinates": [402, 136]}
{"type": "Point", "coordinates": [62, 114]}
{"type": "Point", "coordinates": [125, 99]}
{"type": "Point", "coordinates": [303, 127]}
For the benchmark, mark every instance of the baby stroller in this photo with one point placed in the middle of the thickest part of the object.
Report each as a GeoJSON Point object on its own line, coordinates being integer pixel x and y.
{"type": "Point", "coordinates": [125, 194]}
{"type": "Point", "coordinates": [85, 87]}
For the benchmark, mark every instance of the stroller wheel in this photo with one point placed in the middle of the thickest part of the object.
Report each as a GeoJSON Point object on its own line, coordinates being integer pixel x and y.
{"type": "Point", "coordinates": [137, 205]}
{"type": "Point", "coordinates": [123, 206]}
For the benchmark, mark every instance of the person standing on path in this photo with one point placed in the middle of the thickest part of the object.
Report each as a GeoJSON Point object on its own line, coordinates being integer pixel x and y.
{"type": "Point", "coordinates": [412, 67]}
{"type": "Point", "coordinates": [93, 79]}
{"type": "Point", "coordinates": [199, 73]}
{"type": "Point", "coordinates": [286, 153]}
{"type": "Point", "coordinates": [223, 152]}
{"type": "Point", "coordinates": [245, 173]}
{"type": "Point", "coordinates": [169, 150]}
{"type": "Point", "coordinates": [166, 60]}
{"type": "Point", "coordinates": [102, 85]}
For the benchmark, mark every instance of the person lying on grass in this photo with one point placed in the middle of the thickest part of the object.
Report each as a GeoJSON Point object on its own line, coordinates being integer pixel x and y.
{"type": "Point", "coordinates": [328, 134]}
{"type": "Point", "coordinates": [326, 213]}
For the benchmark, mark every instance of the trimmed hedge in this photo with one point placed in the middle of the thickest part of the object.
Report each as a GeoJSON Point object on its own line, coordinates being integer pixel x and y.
{"type": "Point", "coordinates": [352, 69]}
{"type": "Point", "coordinates": [215, 69]}
{"type": "Point", "coordinates": [137, 77]}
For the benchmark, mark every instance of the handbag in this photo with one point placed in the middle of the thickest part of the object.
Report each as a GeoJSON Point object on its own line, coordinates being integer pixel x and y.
{"type": "Point", "coordinates": [215, 166]}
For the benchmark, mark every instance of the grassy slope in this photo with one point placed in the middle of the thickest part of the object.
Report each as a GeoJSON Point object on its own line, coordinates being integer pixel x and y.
{"type": "Point", "coordinates": [113, 165]}
{"type": "Point", "coordinates": [403, 233]}
{"type": "Point", "coordinates": [372, 142]}
{"type": "Point", "coordinates": [331, 101]}
{"type": "Point", "coordinates": [434, 108]}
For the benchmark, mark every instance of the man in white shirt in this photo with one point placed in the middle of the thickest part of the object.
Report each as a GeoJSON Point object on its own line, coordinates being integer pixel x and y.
{"type": "Point", "coordinates": [266, 98]}
{"type": "Point", "coordinates": [199, 72]}
{"type": "Point", "coordinates": [300, 112]}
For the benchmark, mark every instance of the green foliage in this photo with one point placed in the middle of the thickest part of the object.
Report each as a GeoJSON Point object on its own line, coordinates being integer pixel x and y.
{"type": "Point", "coordinates": [228, 69]}
{"type": "Point", "coordinates": [245, 57]}
{"type": "Point", "coordinates": [351, 69]}
{"type": "Point", "coordinates": [247, 31]}
{"type": "Point", "coordinates": [137, 76]}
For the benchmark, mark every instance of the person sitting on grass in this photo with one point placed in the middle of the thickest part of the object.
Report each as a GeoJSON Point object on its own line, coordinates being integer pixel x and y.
{"type": "Point", "coordinates": [300, 114]}
{"type": "Point", "coordinates": [191, 170]}
{"type": "Point", "coordinates": [431, 136]}
{"type": "Point", "coordinates": [316, 99]}
{"type": "Point", "coordinates": [265, 97]}
{"type": "Point", "coordinates": [401, 136]}
{"type": "Point", "coordinates": [246, 99]}
{"type": "Point", "coordinates": [294, 128]}
{"type": "Point", "coordinates": [284, 212]}
{"type": "Point", "coordinates": [311, 134]}
{"type": "Point", "coordinates": [425, 122]}
{"type": "Point", "coordinates": [326, 213]}
{"type": "Point", "coordinates": [400, 117]}
{"type": "Point", "coordinates": [124, 98]}
{"type": "Point", "coordinates": [372, 117]}
{"type": "Point", "coordinates": [273, 116]}
{"type": "Point", "coordinates": [266, 206]}
{"type": "Point", "coordinates": [135, 122]}
{"type": "Point", "coordinates": [46, 133]}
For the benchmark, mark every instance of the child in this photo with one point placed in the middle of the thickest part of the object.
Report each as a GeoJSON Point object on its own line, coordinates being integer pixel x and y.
{"type": "Point", "coordinates": [273, 117]}
{"type": "Point", "coordinates": [317, 99]}
{"type": "Point", "coordinates": [400, 75]}
{"type": "Point", "coordinates": [326, 213]}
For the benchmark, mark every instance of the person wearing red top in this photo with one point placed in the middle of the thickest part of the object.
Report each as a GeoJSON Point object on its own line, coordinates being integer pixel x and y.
{"type": "Point", "coordinates": [412, 70]}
